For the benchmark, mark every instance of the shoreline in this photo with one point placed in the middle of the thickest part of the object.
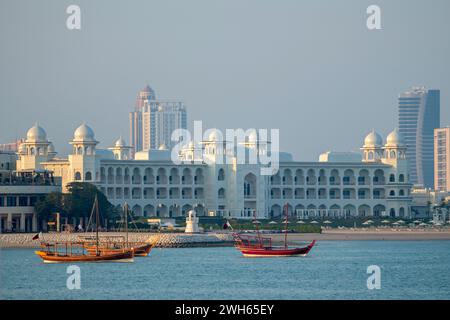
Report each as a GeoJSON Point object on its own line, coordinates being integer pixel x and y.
{"type": "Point", "coordinates": [182, 240]}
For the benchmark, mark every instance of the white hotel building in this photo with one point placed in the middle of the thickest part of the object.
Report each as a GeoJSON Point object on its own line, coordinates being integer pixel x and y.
{"type": "Point", "coordinates": [338, 186]}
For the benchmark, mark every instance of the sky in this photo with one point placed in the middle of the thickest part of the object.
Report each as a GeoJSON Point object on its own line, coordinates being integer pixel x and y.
{"type": "Point", "coordinates": [310, 68]}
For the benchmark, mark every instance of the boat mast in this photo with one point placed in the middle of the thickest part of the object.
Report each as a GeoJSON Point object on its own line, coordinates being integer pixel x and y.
{"type": "Point", "coordinates": [255, 222]}
{"type": "Point", "coordinates": [97, 219]}
{"type": "Point", "coordinates": [126, 224]}
{"type": "Point", "coordinates": [286, 224]}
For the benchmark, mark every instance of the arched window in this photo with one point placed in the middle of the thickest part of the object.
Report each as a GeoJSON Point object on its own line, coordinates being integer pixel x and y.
{"type": "Point", "coordinates": [221, 193]}
{"type": "Point", "coordinates": [88, 176]}
{"type": "Point", "coordinates": [77, 176]}
{"type": "Point", "coordinates": [392, 193]}
{"type": "Point", "coordinates": [401, 178]}
{"type": "Point", "coordinates": [392, 178]}
{"type": "Point", "coordinates": [392, 213]}
{"type": "Point", "coordinates": [221, 175]}
{"type": "Point", "coordinates": [401, 193]}
{"type": "Point", "coordinates": [392, 154]}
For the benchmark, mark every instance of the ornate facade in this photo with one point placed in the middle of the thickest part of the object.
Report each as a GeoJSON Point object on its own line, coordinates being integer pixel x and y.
{"type": "Point", "coordinates": [216, 184]}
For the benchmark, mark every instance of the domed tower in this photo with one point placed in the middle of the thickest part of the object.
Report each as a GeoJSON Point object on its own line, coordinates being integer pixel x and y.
{"type": "Point", "coordinates": [214, 149]}
{"type": "Point", "coordinates": [120, 150]}
{"type": "Point", "coordinates": [51, 151]}
{"type": "Point", "coordinates": [373, 147]}
{"type": "Point", "coordinates": [83, 160]}
{"type": "Point", "coordinates": [34, 150]}
{"type": "Point", "coordinates": [395, 147]}
{"type": "Point", "coordinates": [399, 199]}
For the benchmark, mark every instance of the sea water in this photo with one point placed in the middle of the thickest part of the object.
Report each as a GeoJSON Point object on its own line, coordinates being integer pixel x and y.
{"type": "Point", "coordinates": [332, 270]}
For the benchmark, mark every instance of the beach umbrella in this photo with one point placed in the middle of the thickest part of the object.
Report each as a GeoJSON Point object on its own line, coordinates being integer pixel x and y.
{"type": "Point", "coordinates": [257, 222]}
{"type": "Point", "coordinates": [423, 224]}
{"type": "Point", "coordinates": [396, 223]}
{"type": "Point", "coordinates": [438, 224]}
{"type": "Point", "coordinates": [385, 221]}
{"type": "Point", "coordinates": [369, 221]}
{"type": "Point", "coordinates": [327, 222]}
{"type": "Point", "coordinates": [366, 223]}
{"type": "Point", "coordinates": [272, 222]}
{"type": "Point", "coordinates": [417, 221]}
{"type": "Point", "coordinates": [300, 221]}
{"type": "Point", "coordinates": [315, 222]}
{"type": "Point", "coordinates": [401, 221]}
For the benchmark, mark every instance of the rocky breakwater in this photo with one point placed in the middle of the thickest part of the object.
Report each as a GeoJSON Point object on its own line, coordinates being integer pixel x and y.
{"type": "Point", "coordinates": [163, 240]}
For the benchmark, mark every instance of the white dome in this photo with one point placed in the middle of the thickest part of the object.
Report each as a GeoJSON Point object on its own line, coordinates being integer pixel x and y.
{"type": "Point", "coordinates": [120, 143]}
{"type": "Point", "coordinates": [395, 138]}
{"type": "Point", "coordinates": [253, 137]}
{"type": "Point", "coordinates": [51, 148]}
{"type": "Point", "coordinates": [36, 134]}
{"type": "Point", "coordinates": [84, 133]}
{"type": "Point", "coordinates": [213, 136]}
{"type": "Point", "coordinates": [373, 139]}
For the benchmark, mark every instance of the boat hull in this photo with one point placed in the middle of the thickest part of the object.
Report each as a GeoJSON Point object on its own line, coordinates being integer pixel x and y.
{"type": "Point", "coordinates": [139, 251]}
{"type": "Point", "coordinates": [126, 256]}
{"type": "Point", "coordinates": [261, 252]}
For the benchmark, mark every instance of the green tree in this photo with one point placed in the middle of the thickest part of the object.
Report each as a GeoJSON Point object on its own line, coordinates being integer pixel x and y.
{"type": "Point", "coordinates": [81, 200]}
{"type": "Point", "coordinates": [52, 203]}
{"type": "Point", "coordinates": [78, 202]}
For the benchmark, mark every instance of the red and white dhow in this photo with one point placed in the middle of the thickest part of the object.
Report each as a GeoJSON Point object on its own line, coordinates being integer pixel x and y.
{"type": "Point", "coordinates": [258, 246]}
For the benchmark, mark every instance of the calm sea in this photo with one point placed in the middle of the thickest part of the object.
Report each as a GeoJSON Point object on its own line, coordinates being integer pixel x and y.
{"type": "Point", "coordinates": [333, 270]}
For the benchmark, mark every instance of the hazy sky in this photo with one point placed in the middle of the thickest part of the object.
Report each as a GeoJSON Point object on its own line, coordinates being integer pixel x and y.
{"type": "Point", "coordinates": [310, 68]}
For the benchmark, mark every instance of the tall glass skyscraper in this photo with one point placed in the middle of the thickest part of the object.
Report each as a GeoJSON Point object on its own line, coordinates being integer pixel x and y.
{"type": "Point", "coordinates": [418, 116]}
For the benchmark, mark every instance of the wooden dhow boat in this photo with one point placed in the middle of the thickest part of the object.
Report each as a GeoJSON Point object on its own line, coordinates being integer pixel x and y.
{"type": "Point", "coordinates": [59, 252]}
{"type": "Point", "coordinates": [258, 246]}
{"type": "Point", "coordinates": [116, 244]}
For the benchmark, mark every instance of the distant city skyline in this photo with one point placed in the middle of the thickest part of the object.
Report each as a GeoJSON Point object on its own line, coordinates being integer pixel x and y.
{"type": "Point", "coordinates": [311, 69]}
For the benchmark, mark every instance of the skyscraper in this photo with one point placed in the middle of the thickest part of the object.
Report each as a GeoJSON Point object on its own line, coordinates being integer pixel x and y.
{"type": "Point", "coordinates": [153, 121]}
{"type": "Point", "coordinates": [418, 116]}
{"type": "Point", "coordinates": [442, 159]}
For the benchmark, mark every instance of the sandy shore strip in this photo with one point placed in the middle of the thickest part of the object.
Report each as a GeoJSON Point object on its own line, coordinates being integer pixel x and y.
{"type": "Point", "coordinates": [390, 234]}
{"type": "Point", "coordinates": [181, 240]}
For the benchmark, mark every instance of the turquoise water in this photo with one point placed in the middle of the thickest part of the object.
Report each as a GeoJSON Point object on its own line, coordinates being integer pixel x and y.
{"type": "Point", "coordinates": [333, 270]}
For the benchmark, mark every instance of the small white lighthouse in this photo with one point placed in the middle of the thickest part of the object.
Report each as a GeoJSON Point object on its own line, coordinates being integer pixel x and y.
{"type": "Point", "coordinates": [192, 223]}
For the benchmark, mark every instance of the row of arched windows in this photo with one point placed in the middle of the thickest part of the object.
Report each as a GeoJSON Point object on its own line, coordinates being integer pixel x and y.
{"type": "Point", "coordinates": [87, 176]}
